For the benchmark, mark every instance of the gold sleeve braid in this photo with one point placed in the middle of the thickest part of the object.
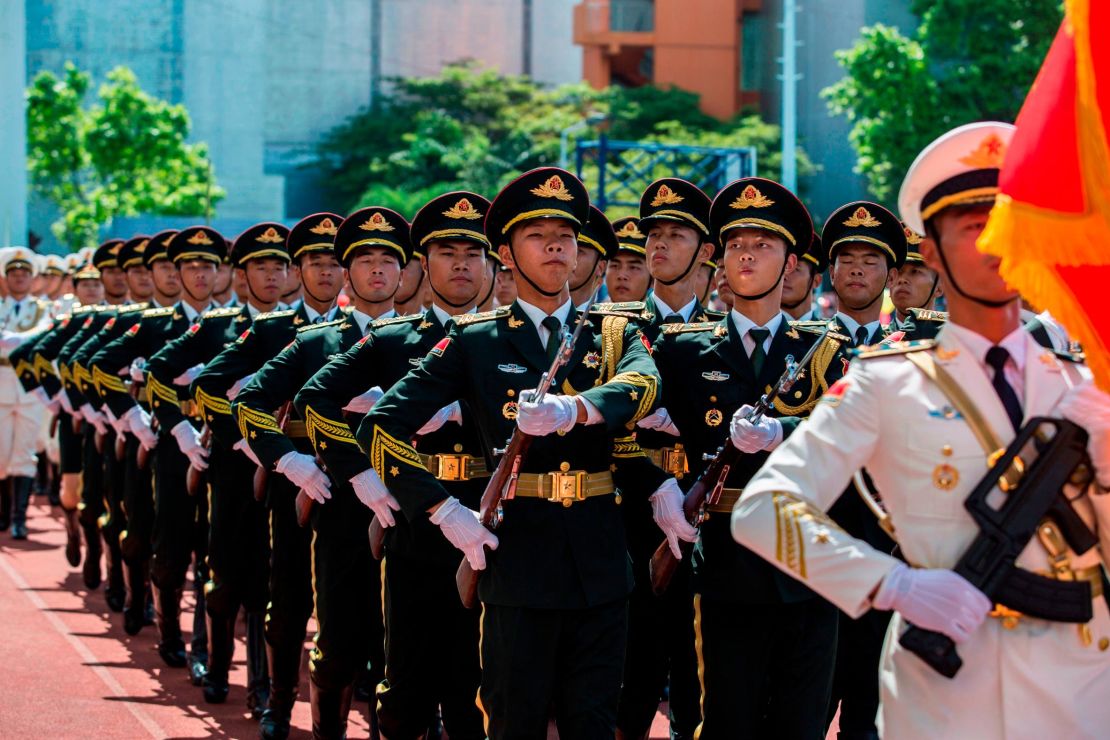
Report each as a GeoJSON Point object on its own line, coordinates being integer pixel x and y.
{"type": "Point", "coordinates": [818, 365]}
{"type": "Point", "coordinates": [157, 393]}
{"type": "Point", "coordinates": [103, 381]}
{"type": "Point", "coordinates": [207, 402]}
{"type": "Point", "coordinates": [82, 378]}
{"type": "Point", "coordinates": [382, 444]}
{"type": "Point", "coordinates": [627, 447]}
{"type": "Point", "coordinates": [63, 374]}
{"type": "Point", "coordinates": [248, 417]}
{"type": "Point", "coordinates": [43, 365]}
{"type": "Point", "coordinates": [23, 366]}
{"type": "Point", "coordinates": [315, 424]}
{"type": "Point", "coordinates": [646, 398]}
{"type": "Point", "coordinates": [790, 513]}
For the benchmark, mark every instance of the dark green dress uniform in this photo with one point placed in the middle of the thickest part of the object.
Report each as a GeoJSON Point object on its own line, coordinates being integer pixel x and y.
{"type": "Point", "coordinates": [421, 598]}
{"type": "Point", "coordinates": [921, 324]}
{"type": "Point", "coordinates": [555, 591]}
{"type": "Point", "coordinates": [238, 535]}
{"type": "Point", "coordinates": [860, 641]}
{"type": "Point", "coordinates": [290, 603]}
{"type": "Point", "coordinates": [179, 528]}
{"type": "Point", "coordinates": [346, 582]}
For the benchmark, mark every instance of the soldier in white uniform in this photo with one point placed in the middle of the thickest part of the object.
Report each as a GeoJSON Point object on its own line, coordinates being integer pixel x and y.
{"type": "Point", "coordinates": [1021, 676]}
{"type": "Point", "coordinates": [21, 414]}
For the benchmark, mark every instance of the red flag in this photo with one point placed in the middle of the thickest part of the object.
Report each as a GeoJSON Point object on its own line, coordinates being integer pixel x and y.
{"type": "Point", "coordinates": [1051, 222]}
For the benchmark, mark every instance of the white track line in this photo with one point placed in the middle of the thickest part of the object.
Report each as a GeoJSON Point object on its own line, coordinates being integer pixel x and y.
{"type": "Point", "coordinates": [82, 650]}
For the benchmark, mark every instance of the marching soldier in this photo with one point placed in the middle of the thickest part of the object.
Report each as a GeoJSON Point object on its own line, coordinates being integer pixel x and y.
{"type": "Point", "coordinates": [179, 529]}
{"type": "Point", "coordinates": [555, 591]}
{"type": "Point", "coordinates": [372, 244]}
{"type": "Point", "coordinates": [421, 598]}
{"type": "Point", "coordinates": [627, 277]}
{"type": "Point", "coordinates": [799, 284]}
{"type": "Point", "coordinates": [310, 246]}
{"type": "Point", "coordinates": [412, 285]}
{"type": "Point", "coordinates": [593, 258]}
{"type": "Point", "coordinates": [925, 418]}
{"type": "Point", "coordinates": [914, 290]}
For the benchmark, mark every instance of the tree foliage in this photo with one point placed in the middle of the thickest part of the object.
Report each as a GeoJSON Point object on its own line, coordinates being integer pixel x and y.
{"type": "Point", "coordinates": [121, 156]}
{"type": "Point", "coordinates": [968, 60]}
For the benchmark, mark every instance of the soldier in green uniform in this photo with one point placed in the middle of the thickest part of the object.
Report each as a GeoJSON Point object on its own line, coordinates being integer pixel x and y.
{"type": "Point", "coordinates": [555, 592]}
{"type": "Point", "coordinates": [238, 547]}
{"type": "Point", "coordinates": [179, 528]}
{"type": "Point", "coordinates": [310, 246]}
{"type": "Point", "coordinates": [593, 259]}
{"type": "Point", "coordinates": [421, 598]}
{"type": "Point", "coordinates": [372, 244]}
{"type": "Point", "coordinates": [799, 284]}
{"type": "Point", "coordinates": [914, 290]}
{"type": "Point", "coordinates": [627, 277]}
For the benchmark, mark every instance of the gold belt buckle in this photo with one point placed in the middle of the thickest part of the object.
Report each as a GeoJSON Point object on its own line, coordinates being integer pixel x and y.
{"type": "Point", "coordinates": [674, 460]}
{"type": "Point", "coordinates": [568, 487]}
{"type": "Point", "coordinates": [1009, 617]}
{"type": "Point", "coordinates": [452, 467]}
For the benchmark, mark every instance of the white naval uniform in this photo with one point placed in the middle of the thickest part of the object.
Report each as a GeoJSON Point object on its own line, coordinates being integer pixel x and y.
{"type": "Point", "coordinates": [22, 416]}
{"type": "Point", "coordinates": [1036, 680]}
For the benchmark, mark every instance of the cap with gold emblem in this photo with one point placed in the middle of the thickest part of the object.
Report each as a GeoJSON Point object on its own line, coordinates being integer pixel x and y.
{"type": "Point", "coordinates": [959, 168]}
{"type": "Point", "coordinates": [759, 203]}
{"type": "Point", "coordinates": [107, 254]}
{"type": "Point", "coordinates": [19, 258]}
{"type": "Point", "coordinates": [373, 227]}
{"type": "Point", "coordinates": [158, 247]}
{"type": "Point", "coordinates": [197, 243]}
{"type": "Point", "coordinates": [913, 245]}
{"type": "Point", "coordinates": [261, 241]}
{"type": "Point", "coordinates": [132, 251]}
{"type": "Point", "coordinates": [546, 192]}
{"type": "Point", "coordinates": [53, 264]}
{"type": "Point", "coordinates": [598, 234]}
{"type": "Point", "coordinates": [869, 224]}
{"type": "Point", "coordinates": [315, 233]}
{"type": "Point", "coordinates": [816, 255]}
{"type": "Point", "coordinates": [451, 216]}
{"type": "Point", "coordinates": [673, 199]}
{"type": "Point", "coordinates": [86, 271]}
{"type": "Point", "coordinates": [629, 237]}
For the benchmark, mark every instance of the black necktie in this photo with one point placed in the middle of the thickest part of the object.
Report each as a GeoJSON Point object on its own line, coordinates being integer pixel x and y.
{"type": "Point", "coordinates": [674, 318]}
{"type": "Point", "coordinates": [318, 320]}
{"type": "Point", "coordinates": [996, 358]}
{"type": "Point", "coordinates": [861, 336]}
{"type": "Point", "coordinates": [758, 353]}
{"type": "Point", "coordinates": [554, 335]}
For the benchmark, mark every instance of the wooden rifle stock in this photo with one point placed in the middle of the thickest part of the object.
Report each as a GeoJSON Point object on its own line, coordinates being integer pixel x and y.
{"type": "Point", "coordinates": [194, 479]}
{"type": "Point", "coordinates": [262, 474]}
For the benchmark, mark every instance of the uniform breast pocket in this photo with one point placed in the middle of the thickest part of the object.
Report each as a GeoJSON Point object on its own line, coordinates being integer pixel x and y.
{"type": "Point", "coordinates": [943, 462]}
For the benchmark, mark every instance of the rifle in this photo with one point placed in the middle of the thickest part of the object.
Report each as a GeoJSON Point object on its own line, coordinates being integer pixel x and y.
{"type": "Point", "coordinates": [261, 474]}
{"type": "Point", "coordinates": [502, 484]}
{"type": "Point", "coordinates": [989, 562]}
{"type": "Point", "coordinates": [194, 479]}
{"type": "Point", "coordinates": [707, 489]}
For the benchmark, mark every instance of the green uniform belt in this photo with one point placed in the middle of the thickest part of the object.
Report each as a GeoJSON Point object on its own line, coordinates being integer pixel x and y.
{"type": "Point", "coordinates": [670, 459]}
{"type": "Point", "coordinates": [564, 487]}
{"type": "Point", "coordinates": [455, 467]}
{"type": "Point", "coordinates": [729, 497]}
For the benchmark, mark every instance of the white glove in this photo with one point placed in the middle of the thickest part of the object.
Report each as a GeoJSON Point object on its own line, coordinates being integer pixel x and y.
{"type": "Point", "coordinates": [936, 599]}
{"type": "Point", "coordinates": [119, 425]}
{"type": "Point", "coordinates": [188, 439]}
{"type": "Point", "coordinates": [63, 400]}
{"type": "Point", "coordinates": [462, 529]}
{"type": "Point", "coordinates": [245, 448]}
{"type": "Point", "coordinates": [765, 434]}
{"type": "Point", "coordinates": [1089, 407]}
{"type": "Point", "coordinates": [237, 386]}
{"type": "Point", "coordinates": [137, 371]}
{"type": "Point", "coordinates": [187, 377]}
{"type": "Point", "coordinates": [138, 423]}
{"type": "Point", "coordinates": [666, 509]}
{"type": "Point", "coordinates": [94, 417]}
{"type": "Point", "coordinates": [450, 412]}
{"type": "Point", "coordinates": [552, 414]}
{"type": "Point", "coordinates": [371, 491]}
{"type": "Point", "coordinates": [362, 403]}
{"type": "Point", "coordinates": [306, 475]}
{"type": "Point", "coordinates": [660, 420]}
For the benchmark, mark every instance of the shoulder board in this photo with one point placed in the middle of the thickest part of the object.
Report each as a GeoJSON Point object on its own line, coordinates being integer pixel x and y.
{"type": "Point", "coordinates": [133, 307]}
{"type": "Point", "coordinates": [102, 309]}
{"type": "Point", "coordinates": [474, 318]}
{"type": "Point", "coordinates": [216, 313]}
{"type": "Point", "coordinates": [274, 314]}
{"type": "Point", "coordinates": [714, 315]}
{"type": "Point", "coordinates": [397, 320]}
{"type": "Point", "coordinates": [689, 328]}
{"type": "Point", "coordinates": [1070, 356]}
{"type": "Point", "coordinates": [925, 315]}
{"type": "Point", "coordinates": [623, 306]}
{"type": "Point", "coordinates": [894, 348]}
{"type": "Point", "coordinates": [818, 328]}
{"type": "Point", "coordinates": [151, 313]}
{"type": "Point", "coordinates": [310, 327]}
{"type": "Point", "coordinates": [82, 310]}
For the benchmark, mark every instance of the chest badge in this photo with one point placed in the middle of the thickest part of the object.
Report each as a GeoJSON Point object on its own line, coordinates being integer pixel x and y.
{"type": "Point", "coordinates": [714, 417]}
{"type": "Point", "coordinates": [297, 321]}
{"type": "Point", "coordinates": [512, 368]}
{"type": "Point", "coordinates": [424, 325]}
{"type": "Point", "coordinates": [592, 359]}
{"type": "Point", "coordinates": [515, 323]}
{"type": "Point", "coordinates": [945, 477]}
{"type": "Point", "coordinates": [509, 410]}
{"type": "Point", "coordinates": [793, 334]}
{"type": "Point", "coordinates": [945, 412]}
{"type": "Point", "coordinates": [716, 376]}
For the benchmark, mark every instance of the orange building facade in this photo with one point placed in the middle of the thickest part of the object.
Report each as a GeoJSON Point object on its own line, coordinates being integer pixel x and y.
{"type": "Point", "coordinates": [696, 45]}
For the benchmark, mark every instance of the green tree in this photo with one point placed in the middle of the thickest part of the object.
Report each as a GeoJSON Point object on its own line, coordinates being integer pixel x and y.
{"type": "Point", "coordinates": [968, 60]}
{"type": "Point", "coordinates": [121, 156]}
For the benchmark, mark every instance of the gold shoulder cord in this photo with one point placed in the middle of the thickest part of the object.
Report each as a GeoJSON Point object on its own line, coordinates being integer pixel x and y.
{"type": "Point", "coordinates": [612, 346]}
{"type": "Point", "coordinates": [822, 358]}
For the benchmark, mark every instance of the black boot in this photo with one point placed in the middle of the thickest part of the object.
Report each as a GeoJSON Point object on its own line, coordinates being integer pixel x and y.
{"type": "Point", "coordinates": [221, 648]}
{"type": "Point", "coordinates": [285, 666]}
{"type": "Point", "coordinates": [90, 569]}
{"type": "Point", "coordinates": [167, 616]}
{"type": "Point", "coordinates": [115, 592]}
{"type": "Point", "coordinates": [135, 605]}
{"type": "Point", "coordinates": [21, 493]}
{"type": "Point", "coordinates": [258, 677]}
{"type": "Point", "coordinates": [5, 504]}
{"type": "Point", "coordinates": [198, 651]}
{"type": "Point", "coordinates": [42, 474]}
{"type": "Point", "coordinates": [73, 536]}
{"type": "Point", "coordinates": [54, 493]}
{"type": "Point", "coordinates": [329, 712]}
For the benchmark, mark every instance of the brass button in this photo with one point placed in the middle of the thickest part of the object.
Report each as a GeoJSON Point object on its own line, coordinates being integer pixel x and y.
{"type": "Point", "coordinates": [713, 399]}
{"type": "Point", "coordinates": [564, 466]}
{"type": "Point", "coordinates": [797, 394]}
{"type": "Point", "coordinates": [458, 448]}
{"type": "Point", "coordinates": [1103, 643]}
{"type": "Point", "coordinates": [510, 393]}
{"type": "Point", "coordinates": [946, 450]}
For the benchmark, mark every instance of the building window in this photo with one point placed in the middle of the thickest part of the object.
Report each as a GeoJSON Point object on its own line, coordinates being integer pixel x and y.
{"type": "Point", "coordinates": [754, 49]}
{"type": "Point", "coordinates": [631, 15]}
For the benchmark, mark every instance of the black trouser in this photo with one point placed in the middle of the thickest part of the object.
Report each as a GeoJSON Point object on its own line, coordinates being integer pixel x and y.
{"type": "Point", "coordinates": [535, 658]}
{"type": "Point", "coordinates": [290, 584]}
{"type": "Point", "coordinates": [660, 651]}
{"type": "Point", "coordinates": [93, 483]}
{"type": "Point", "coordinates": [859, 648]}
{"type": "Point", "coordinates": [766, 668]}
{"type": "Point", "coordinates": [179, 524]}
{"type": "Point", "coordinates": [137, 506]}
{"type": "Point", "coordinates": [69, 445]}
{"type": "Point", "coordinates": [347, 587]}
{"type": "Point", "coordinates": [431, 652]}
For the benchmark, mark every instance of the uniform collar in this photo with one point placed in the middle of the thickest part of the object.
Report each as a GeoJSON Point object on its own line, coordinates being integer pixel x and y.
{"type": "Point", "coordinates": [364, 320]}
{"type": "Point", "coordinates": [852, 325]}
{"type": "Point", "coordinates": [191, 313]}
{"type": "Point", "coordinates": [977, 344]}
{"type": "Point", "coordinates": [311, 314]}
{"type": "Point", "coordinates": [685, 312]}
{"type": "Point", "coordinates": [743, 324]}
{"type": "Point", "coordinates": [537, 315]}
{"type": "Point", "coordinates": [442, 316]}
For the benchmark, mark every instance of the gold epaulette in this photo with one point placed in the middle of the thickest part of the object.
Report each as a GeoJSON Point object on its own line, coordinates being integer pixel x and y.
{"type": "Point", "coordinates": [275, 314]}
{"type": "Point", "coordinates": [103, 308]}
{"type": "Point", "coordinates": [216, 313]}
{"type": "Point", "coordinates": [397, 320]}
{"type": "Point", "coordinates": [818, 328]}
{"type": "Point", "coordinates": [687, 328]}
{"type": "Point", "coordinates": [474, 318]}
{"type": "Point", "coordinates": [310, 327]}
{"type": "Point", "coordinates": [630, 309]}
{"type": "Point", "coordinates": [133, 307]}
{"type": "Point", "coordinates": [151, 313]}
{"type": "Point", "coordinates": [894, 348]}
{"type": "Point", "coordinates": [926, 315]}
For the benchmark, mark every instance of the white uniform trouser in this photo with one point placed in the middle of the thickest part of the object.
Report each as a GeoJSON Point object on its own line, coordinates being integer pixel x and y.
{"type": "Point", "coordinates": [20, 426]}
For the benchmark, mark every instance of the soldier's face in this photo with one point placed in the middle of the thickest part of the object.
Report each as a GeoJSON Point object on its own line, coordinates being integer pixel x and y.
{"type": "Point", "coordinates": [724, 292]}
{"type": "Point", "coordinates": [115, 282]}
{"type": "Point", "coordinates": [266, 278]}
{"type": "Point", "coordinates": [671, 247]}
{"type": "Point", "coordinates": [976, 272]}
{"type": "Point", "coordinates": [702, 284]}
{"type": "Point", "coordinates": [456, 270]}
{"type": "Point", "coordinates": [375, 274]}
{"type": "Point", "coordinates": [139, 283]}
{"type": "Point", "coordinates": [166, 280]}
{"type": "Point", "coordinates": [797, 283]}
{"type": "Point", "coordinates": [19, 281]}
{"type": "Point", "coordinates": [754, 260]}
{"type": "Point", "coordinates": [627, 277]}
{"type": "Point", "coordinates": [223, 278]}
{"type": "Point", "coordinates": [52, 284]}
{"type": "Point", "coordinates": [911, 286]}
{"type": "Point", "coordinates": [198, 277]}
{"type": "Point", "coordinates": [88, 291]}
{"type": "Point", "coordinates": [322, 275]}
{"type": "Point", "coordinates": [859, 273]}
{"type": "Point", "coordinates": [504, 287]}
{"type": "Point", "coordinates": [545, 249]}
{"type": "Point", "coordinates": [587, 266]}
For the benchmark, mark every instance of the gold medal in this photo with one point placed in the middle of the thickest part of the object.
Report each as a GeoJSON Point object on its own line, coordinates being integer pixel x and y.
{"type": "Point", "coordinates": [945, 477]}
{"type": "Point", "coordinates": [592, 360]}
{"type": "Point", "coordinates": [509, 410]}
{"type": "Point", "coordinates": [714, 417]}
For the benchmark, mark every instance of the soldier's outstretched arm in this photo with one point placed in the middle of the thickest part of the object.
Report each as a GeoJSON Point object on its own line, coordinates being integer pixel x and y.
{"type": "Point", "coordinates": [114, 358]}
{"type": "Point", "coordinates": [239, 359]}
{"type": "Point", "coordinates": [168, 363]}
{"type": "Point", "coordinates": [633, 391]}
{"type": "Point", "coordinates": [781, 514]}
